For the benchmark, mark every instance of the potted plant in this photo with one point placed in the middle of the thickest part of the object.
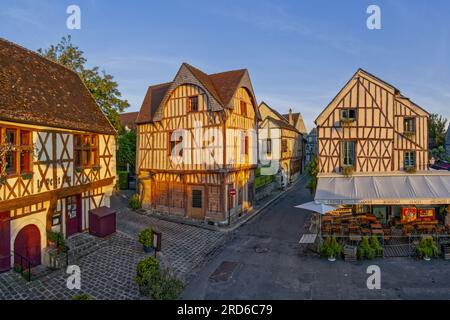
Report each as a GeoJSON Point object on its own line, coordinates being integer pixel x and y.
{"type": "Point", "coordinates": [365, 250]}
{"type": "Point", "coordinates": [27, 176]}
{"type": "Point", "coordinates": [135, 202]}
{"type": "Point", "coordinates": [331, 248]}
{"type": "Point", "coordinates": [146, 239]}
{"type": "Point", "coordinates": [427, 248]}
{"type": "Point", "coordinates": [52, 239]}
{"type": "Point", "coordinates": [410, 169]}
{"type": "Point", "coordinates": [347, 171]}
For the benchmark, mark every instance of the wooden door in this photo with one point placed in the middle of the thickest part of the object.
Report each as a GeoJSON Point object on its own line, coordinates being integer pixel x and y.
{"type": "Point", "coordinates": [27, 247]}
{"type": "Point", "coordinates": [74, 215]}
{"type": "Point", "coordinates": [5, 241]}
{"type": "Point", "coordinates": [196, 202]}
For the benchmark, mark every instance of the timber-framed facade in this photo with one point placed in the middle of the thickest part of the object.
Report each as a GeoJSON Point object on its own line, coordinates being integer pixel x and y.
{"type": "Point", "coordinates": [378, 128]}
{"type": "Point", "coordinates": [62, 160]}
{"type": "Point", "coordinates": [197, 146]}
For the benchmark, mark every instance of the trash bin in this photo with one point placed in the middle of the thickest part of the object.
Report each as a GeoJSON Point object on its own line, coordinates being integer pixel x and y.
{"type": "Point", "coordinates": [102, 222]}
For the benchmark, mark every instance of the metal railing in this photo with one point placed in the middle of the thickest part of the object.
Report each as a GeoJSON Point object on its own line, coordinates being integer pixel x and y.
{"type": "Point", "coordinates": [24, 267]}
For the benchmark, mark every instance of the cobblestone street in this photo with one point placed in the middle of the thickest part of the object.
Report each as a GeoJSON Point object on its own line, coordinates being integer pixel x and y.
{"type": "Point", "coordinates": [107, 273]}
{"type": "Point", "coordinates": [185, 247]}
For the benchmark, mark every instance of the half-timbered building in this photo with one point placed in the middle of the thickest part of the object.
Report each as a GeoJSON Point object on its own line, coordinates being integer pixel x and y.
{"type": "Point", "coordinates": [281, 144]}
{"type": "Point", "coordinates": [197, 145]}
{"type": "Point", "coordinates": [60, 154]}
{"type": "Point", "coordinates": [373, 151]}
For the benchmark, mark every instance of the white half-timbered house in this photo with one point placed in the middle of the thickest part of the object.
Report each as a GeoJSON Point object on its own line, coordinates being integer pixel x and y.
{"type": "Point", "coordinates": [61, 161]}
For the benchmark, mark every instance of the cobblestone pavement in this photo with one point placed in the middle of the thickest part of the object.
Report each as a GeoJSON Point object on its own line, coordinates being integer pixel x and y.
{"type": "Point", "coordinates": [107, 273]}
{"type": "Point", "coordinates": [185, 247]}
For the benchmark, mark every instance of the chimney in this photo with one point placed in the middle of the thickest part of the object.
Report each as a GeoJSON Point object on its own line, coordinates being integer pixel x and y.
{"type": "Point", "coordinates": [291, 118]}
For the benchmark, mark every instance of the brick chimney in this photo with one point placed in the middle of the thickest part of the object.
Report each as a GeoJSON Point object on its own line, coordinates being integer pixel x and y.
{"type": "Point", "coordinates": [291, 118]}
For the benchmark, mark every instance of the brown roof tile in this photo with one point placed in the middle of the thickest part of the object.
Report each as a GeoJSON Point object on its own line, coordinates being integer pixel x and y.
{"type": "Point", "coordinates": [35, 90]}
{"type": "Point", "coordinates": [222, 86]}
{"type": "Point", "coordinates": [155, 94]}
{"type": "Point", "coordinates": [128, 119]}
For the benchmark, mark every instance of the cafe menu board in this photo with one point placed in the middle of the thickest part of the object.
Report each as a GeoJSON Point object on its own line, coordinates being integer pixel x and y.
{"type": "Point", "coordinates": [428, 213]}
{"type": "Point", "coordinates": [408, 215]}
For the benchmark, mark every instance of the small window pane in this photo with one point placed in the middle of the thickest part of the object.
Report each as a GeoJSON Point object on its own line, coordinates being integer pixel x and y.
{"type": "Point", "coordinates": [196, 199]}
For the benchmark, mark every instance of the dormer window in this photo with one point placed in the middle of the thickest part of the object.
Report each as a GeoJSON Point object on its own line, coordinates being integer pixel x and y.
{"type": "Point", "coordinates": [192, 104]}
{"type": "Point", "coordinates": [348, 115]}
{"type": "Point", "coordinates": [409, 126]}
{"type": "Point", "coordinates": [243, 106]}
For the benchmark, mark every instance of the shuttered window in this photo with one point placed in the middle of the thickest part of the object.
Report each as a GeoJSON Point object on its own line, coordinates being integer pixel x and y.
{"type": "Point", "coordinates": [409, 125]}
{"type": "Point", "coordinates": [86, 150]}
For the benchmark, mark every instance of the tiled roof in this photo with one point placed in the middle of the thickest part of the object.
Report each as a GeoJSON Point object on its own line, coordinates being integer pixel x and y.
{"type": "Point", "coordinates": [222, 86]}
{"type": "Point", "coordinates": [35, 90]}
{"type": "Point", "coordinates": [128, 119]}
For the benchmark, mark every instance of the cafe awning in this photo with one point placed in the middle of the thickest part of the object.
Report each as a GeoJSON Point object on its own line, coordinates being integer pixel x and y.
{"type": "Point", "coordinates": [401, 189]}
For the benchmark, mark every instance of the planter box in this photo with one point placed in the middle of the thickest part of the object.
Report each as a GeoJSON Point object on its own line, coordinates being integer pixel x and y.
{"type": "Point", "coordinates": [102, 222]}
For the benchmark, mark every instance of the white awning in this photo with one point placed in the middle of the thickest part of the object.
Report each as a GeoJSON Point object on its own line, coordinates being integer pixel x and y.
{"type": "Point", "coordinates": [417, 189]}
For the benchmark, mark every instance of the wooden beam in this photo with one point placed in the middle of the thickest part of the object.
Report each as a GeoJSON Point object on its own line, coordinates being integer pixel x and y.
{"type": "Point", "coordinates": [46, 196]}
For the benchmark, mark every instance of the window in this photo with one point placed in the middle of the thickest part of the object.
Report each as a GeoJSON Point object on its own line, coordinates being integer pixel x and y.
{"type": "Point", "coordinates": [284, 145]}
{"type": "Point", "coordinates": [19, 160]}
{"type": "Point", "coordinates": [243, 106]}
{"type": "Point", "coordinates": [348, 153]}
{"type": "Point", "coordinates": [197, 199]}
{"type": "Point", "coordinates": [193, 104]}
{"type": "Point", "coordinates": [410, 159]}
{"type": "Point", "coordinates": [173, 143]}
{"type": "Point", "coordinates": [348, 114]}
{"type": "Point", "coordinates": [86, 150]}
{"type": "Point", "coordinates": [409, 125]}
{"type": "Point", "coordinates": [244, 145]}
{"type": "Point", "coordinates": [269, 146]}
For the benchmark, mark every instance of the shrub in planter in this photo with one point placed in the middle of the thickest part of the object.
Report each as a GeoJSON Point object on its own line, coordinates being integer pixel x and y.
{"type": "Point", "coordinates": [135, 202]}
{"type": "Point", "coordinates": [82, 296]}
{"type": "Point", "coordinates": [146, 239]}
{"type": "Point", "coordinates": [156, 284]}
{"type": "Point", "coordinates": [56, 239]}
{"type": "Point", "coordinates": [348, 171]}
{"type": "Point", "coordinates": [427, 248]}
{"type": "Point", "coordinates": [375, 245]}
{"type": "Point", "coordinates": [365, 250]}
{"type": "Point", "coordinates": [331, 248]}
{"type": "Point", "coordinates": [410, 169]}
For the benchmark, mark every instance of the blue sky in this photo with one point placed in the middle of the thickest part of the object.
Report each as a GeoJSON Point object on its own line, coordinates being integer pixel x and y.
{"type": "Point", "coordinates": [299, 53]}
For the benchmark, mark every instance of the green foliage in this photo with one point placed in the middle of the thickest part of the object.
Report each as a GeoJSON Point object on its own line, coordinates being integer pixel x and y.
{"type": "Point", "coordinates": [427, 247]}
{"type": "Point", "coordinates": [261, 181]}
{"type": "Point", "coordinates": [369, 249]}
{"type": "Point", "coordinates": [411, 169]}
{"type": "Point", "coordinates": [82, 296]}
{"type": "Point", "coordinates": [127, 149]}
{"type": "Point", "coordinates": [101, 85]}
{"type": "Point", "coordinates": [123, 180]}
{"type": "Point", "coordinates": [331, 248]}
{"type": "Point", "coordinates": [375, 245]}
{"type": "Point", "coordinates": [135, 202]}
{"type": "Point", "coordinates": [157, 284]}
{"type": "Point", "coordinates": [348, 171]}
{"type": "Point", "coordinates": [437, 126]}
{"type": "Point", "coordinates": [57, 238]}
{"type": "Point", "coordinates": [439, 153]}
{"type": "Point", "coordinates": [312, 169]}
{"type": "Point", "coordinates": [146, 237]}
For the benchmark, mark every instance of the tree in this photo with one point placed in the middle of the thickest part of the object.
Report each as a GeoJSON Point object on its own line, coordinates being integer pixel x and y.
{"type": "Point", "coordinates": [101, 85]}
{"type": "Point", "coordinates": [127, 149]}
{"type": "Point", "coordinates": [437, 126]}
{"type": "Point", "coordinates": [313, 169]}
